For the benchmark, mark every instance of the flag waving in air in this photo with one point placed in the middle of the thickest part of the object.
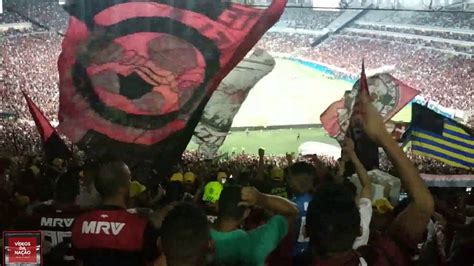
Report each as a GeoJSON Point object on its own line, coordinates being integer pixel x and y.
{"type": "Point", "coordinates": [224, 104]}
{"type": "Point", "coordinates": [389, 95]}
{"type": "Point", "coordinates": [365, 148]}
{"type": "Point", "coordinates": [441, 138]}
{"type": "Point", "coordinates": [53, 145]}
{"type": "Point", "coordinates": [135, 75]}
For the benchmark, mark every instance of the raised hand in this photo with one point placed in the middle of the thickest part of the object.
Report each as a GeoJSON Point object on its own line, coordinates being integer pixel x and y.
{"type": "Point", "coordinates": [371, 120]}
{"type": "Point", "coordinates": [348, 149]}
{"type": "Point", "coordinates": [250, 196]}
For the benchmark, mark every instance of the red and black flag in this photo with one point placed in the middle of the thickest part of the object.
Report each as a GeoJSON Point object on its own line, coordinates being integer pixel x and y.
{"type": "Point", "coordinates": [54, 146]}
{"type": "Point", "coordinates": [366, 149]}
{"type": "Point", "coordinates": [136, 75]}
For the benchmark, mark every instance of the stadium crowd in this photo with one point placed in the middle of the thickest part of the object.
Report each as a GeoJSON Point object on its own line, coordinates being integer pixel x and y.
{"type": "Point", "coordinates": [303, 18]}
{"type": "Point", "coordinates": [420, 31]}
{"type": "Point", "coordinates": [243, 211]}
{"type": "Point", "coordinates": [455, 20]}
{"type": "Point", "coordinates": [10, 17]}
{"type": "Point", "coordinates": [29, 63]}
{"type": "Point", "coordinates": [46, 13]}
{"type": "Point", "coordinates": [440, 76]}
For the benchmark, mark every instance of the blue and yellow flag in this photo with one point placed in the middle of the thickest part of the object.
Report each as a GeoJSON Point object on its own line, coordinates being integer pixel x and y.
{"type": "Point", "coordinates": [441, 138]}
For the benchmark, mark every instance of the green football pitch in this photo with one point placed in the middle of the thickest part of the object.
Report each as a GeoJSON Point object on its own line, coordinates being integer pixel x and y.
{"type": "Point", "coordinates": [292, 94]}
{"type": "Point", "coordinates": [275, 141]}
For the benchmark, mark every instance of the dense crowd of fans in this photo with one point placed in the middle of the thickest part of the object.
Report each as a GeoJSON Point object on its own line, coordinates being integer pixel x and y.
{"type": "Point", "coordinates": [47, 13]}
{"type": "Point", "coordinates": [304, 18]}
{"type": "Point", "coordinates": [421, 31]}
{"type": "Point", "coordinates": [440, 76]}
{"type": "Point", "coordinates": [444, 45]}
{"type": "Point", "coordinates": [430, 19]}
{"type": "Point", "coordinates": [29, 64]}
{"type": "Point", "coordinates": [10, 17]}
{"type": "Point", "coordinates": [239, 211]}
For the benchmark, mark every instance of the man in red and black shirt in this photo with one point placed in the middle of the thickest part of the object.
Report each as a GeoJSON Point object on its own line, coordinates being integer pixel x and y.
{"type": "Point", "coordinates": [110, 235]}
{"type": "Point", "coordinates": [56, 218]}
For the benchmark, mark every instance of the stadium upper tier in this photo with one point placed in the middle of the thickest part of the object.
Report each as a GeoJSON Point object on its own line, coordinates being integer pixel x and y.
{"type": "Point", "coordinates": [10, 17]}
{"type": "Point", "coordinates": [442, 76]}
{"type": "Point", "coordinates": [438, 61]}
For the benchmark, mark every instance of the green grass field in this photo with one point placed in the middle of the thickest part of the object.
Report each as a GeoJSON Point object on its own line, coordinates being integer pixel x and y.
{"type": "Point", "coordinates": [277, 141]}
{"type": "Point", "coordinates": [292, 94]}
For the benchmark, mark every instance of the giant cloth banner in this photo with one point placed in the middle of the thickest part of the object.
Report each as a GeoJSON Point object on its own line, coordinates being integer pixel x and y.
{"type": "Point", "coordinates": [220, 111]}
{"type": "Point", "coordinates": [135, 76]}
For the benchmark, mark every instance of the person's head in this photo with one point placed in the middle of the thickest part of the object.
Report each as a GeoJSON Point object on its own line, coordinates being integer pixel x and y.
{"type": "Point", "coordinates": [67, 187]}
{"type": "Point", "coordinates": [177, 177]}
{"type": "Point", "coordinates": [189, 182]}
{"type": "Point", "coordinates": [174, 192]}
{"type": "Point", "coordinates": [89, 173]}
{"type": "Point", "coordinates": [277, 174]}
{"type": "Point", "coordinates": [113, 180]}
{"type": "Point", "coordinates": [301, 177]}
{"type": "Point", "coordinates": [244, 178]}
{"type": "Point", "coordinates": [221, 177]}
{"type": "Point", "coordinates": [138, 195]}
{"type": "Point", "coordinates": [229, 208]}
{"type": "Point", "coordinates": [185, 237]}
{"type": "Point", "coordinates": [332, 220]}
{"type": "Point", "coordinates": [212, 192]}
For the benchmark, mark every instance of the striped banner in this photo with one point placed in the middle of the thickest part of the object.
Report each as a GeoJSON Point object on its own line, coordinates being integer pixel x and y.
{"type": "Point", "coordinates": [454, 146]}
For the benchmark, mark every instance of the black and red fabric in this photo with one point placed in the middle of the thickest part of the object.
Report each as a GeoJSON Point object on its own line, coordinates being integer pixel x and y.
{"type": "Point", "coordinates": [53, 145]}
{"type": "Point", "coordinates": [381, 251]}
{"type": "Point", "coordinates": [366, 149]}
{"type": "Point", "coordinates": [135, 76]}
{"type": "Point", "coordinates": [55, 223]}
{"type": "Point", "coordinates": [113, 236]}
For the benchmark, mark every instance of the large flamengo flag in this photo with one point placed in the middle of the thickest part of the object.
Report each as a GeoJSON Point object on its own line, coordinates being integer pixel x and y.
{"type": "Point", "coordinates": [389, 95]}
{"type": "Point", "coordinates": [226, 101]}
{"type": "Point", "coordinates": [53, 145]}
{"type": "Point", "coordinates": [135, 75]}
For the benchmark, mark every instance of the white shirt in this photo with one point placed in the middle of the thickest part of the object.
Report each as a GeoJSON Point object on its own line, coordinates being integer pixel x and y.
{"type": "Point", "coordinates": [365, 210]}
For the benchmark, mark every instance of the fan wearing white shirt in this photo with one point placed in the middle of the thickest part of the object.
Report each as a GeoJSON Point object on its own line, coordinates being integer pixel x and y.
{"type": "Point", "coordinates": [363, 200]}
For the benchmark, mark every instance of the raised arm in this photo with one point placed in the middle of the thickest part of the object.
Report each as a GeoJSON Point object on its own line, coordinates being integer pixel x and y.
{"type": "Point", "coordinates": [261, 164]}
{"type": "Point", "coordinates": [364, 178]}
{"type": "Point", "coordinates": [278, 205]}
{"type": "Point", "coordinates": [341, 168]}
{"type": "Point", "coordinates": [410, 225]}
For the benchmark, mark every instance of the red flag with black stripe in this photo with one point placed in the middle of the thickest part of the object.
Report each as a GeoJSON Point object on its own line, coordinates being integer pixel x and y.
{"type": "Point", "coordinates": [365, 148]}
{"type": "Point", "coordinates": [53, 145]}
{"type": "Point", "coordinates": [135, 76]}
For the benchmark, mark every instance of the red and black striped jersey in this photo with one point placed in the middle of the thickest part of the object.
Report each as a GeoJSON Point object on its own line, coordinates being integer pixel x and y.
{"type": "Point", "coordinates": [111, 235]}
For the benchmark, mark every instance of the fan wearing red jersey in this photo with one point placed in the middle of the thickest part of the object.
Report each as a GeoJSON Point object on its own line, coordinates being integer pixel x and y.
{"type": "Point", "coordinates": [55, 219]}
{"type": "Point", "coordinates": [110, 235]}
